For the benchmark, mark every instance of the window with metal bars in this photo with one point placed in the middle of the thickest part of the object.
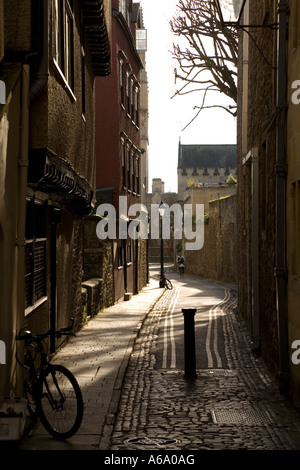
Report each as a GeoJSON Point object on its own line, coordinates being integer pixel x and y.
{"type": "Point", "coordinates": [35, 253]}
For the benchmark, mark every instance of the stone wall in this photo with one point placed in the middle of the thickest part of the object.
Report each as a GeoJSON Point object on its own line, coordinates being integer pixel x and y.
{"type": "Point", "coordinates": [97, 267]}
{"type": "Point", "coordinates": [256, 145]}
{"type": "Point", "coordinates": [218, 257]}
{"type": "Point", "coordinates": [143, 266]}
{"type": "Point", "coordinates": [169, 199]}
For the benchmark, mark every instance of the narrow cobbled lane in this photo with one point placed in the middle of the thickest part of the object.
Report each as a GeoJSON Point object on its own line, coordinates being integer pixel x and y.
{"type": "Point", "coordinates": [233, 403]}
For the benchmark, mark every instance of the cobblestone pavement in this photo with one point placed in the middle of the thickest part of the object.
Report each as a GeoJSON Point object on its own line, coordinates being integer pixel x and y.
{"type": "Point", "coordinates": [222, 409]}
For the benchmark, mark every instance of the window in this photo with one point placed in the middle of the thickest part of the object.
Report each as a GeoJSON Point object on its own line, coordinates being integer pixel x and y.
{"type": "Point", "coordinates": [133, 171]}
{"type": "Point", "coordinates": [121, 78]}
{"type": "Point", "coordinates": [136, 104]}
{"type": "Point", "coordinates": [123, 156]}
{"type": "Point", "coordinates": [63, 47]}
{"type": "Point", "coordinates": [141, 40]}
{"type": "Point", "coordinates": [129, 253]}
{"type": "Point", "coordinates": [128, 167]}
{"type": "Point", "coordinates": [132, 98]}
{"type": "Point", "coordinates": [128, 92]}
{"type": "Point", "coordinates": [122, 7]}
{"type": "Point", "coordinates": [120, 256]}
{"type": "Point", "coordinates": [35, 253]}
{"type": "Point", "coordinates": [137, 172]}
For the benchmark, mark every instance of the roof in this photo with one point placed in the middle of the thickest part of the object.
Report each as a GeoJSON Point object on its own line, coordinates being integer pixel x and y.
{"type": "Point", "coordinates": [206, 156]}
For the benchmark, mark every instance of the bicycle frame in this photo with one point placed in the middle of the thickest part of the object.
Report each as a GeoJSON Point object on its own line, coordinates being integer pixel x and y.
{"type": "Point", "coordinates": [35, 343]}
{"type": "Point", "coordinates": [55, 404]}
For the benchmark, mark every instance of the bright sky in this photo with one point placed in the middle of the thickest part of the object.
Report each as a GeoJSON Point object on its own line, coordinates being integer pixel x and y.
{"type": "Point", "coordinates": [167, 117]}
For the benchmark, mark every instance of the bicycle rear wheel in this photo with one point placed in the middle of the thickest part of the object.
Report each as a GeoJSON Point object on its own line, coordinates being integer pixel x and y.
{"type": "Point", "coordinates": [168, 283]}
{"type": "Point", "coordinates": [60, 406]}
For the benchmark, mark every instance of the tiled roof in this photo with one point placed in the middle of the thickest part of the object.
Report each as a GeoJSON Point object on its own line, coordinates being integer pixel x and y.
{"type": "Point", "coordinates": [206, 156]}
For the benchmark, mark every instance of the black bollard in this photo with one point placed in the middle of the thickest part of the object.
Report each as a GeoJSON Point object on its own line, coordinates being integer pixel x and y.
{"type": "Point", "coordinates": [189, 343]}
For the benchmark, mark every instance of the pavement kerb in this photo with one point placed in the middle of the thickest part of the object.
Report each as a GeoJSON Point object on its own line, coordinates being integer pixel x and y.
{"type": "Point", "coordinates": [117, 389]}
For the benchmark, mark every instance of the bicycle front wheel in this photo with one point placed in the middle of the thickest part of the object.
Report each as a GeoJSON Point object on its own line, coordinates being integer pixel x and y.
{"type": "Point", "coordinates": [168, 284]}
{"type": "Point", "coordinates": [60, 406]}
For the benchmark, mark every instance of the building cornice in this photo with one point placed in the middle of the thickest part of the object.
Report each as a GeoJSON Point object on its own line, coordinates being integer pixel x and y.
{"type": "Point", "coordinates": [122, 22]}
{"type": "Point", "coordinates": [96, 31]}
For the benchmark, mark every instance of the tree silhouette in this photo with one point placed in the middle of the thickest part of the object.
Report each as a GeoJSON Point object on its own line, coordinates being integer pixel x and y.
{"type": "Point", "coordinates": [208, 63]}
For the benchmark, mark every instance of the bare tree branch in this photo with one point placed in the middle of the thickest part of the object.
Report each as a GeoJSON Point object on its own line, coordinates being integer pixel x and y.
{"type": "Point", "coordinates": [209, 60]}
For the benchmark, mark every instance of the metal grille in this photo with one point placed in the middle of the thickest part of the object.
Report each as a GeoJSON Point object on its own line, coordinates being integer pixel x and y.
{"type": "Point", "coordinates": [39, 269]}
{"type": "Point", "coordinates": [151, 441]}
{"type": "Point", "coordinates": [246, 416]}
{"type": "Point", "coordinates": [28, 275]}
{"type": "Point", "coordinates": [35, 271]}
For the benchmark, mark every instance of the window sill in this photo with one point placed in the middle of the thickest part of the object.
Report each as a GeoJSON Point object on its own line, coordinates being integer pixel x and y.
{"type": "Point", "coordinates": [40, 302]}
{"type": "Point", "coordinates": [65, 83]}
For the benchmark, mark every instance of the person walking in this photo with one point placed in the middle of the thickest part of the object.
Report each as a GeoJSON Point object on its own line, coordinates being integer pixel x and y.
{"type": "Point", "coordinates": [181, 264]}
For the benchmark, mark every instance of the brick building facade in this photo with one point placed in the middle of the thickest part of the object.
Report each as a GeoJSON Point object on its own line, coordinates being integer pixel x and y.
{"type": "Point", "coordinates": [119, 140]}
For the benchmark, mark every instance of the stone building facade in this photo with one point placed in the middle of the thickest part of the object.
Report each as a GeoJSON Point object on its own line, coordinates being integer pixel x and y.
{"type": "Point", "coordinates": [268, 197]}
{"type": "Point", "coordinates": [204, 194]}
{"type": "Point", "coordinates": [204, 164]}
{"type": "Point", "coordinates": [50, 55]}
{"type": "Point", "coordinates": [218, 258]}
{"type": "Point", "coordinates": [293, 194]}
{"type": "Point", "coordinates": [171, 246]}
{"type": "Point", "coordinates": [256, 189]}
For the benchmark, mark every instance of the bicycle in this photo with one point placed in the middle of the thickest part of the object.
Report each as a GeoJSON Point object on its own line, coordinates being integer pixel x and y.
{"type": "Point", "coordinates": [166, 283]}
{"type": "Point", "coordinates": [52, 392]}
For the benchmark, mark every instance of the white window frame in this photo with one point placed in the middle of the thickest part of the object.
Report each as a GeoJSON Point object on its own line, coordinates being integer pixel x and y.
{"type": "Point", "coordinates": [63, 40]}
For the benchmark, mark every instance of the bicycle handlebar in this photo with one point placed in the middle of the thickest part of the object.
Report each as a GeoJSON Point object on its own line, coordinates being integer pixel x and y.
{"type": "Point", "coordinates": [40, 336]}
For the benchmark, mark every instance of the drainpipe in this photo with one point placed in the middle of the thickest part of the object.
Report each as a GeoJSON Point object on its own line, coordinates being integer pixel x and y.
{"type": "Point", "coordinates": [28, 95]}
{"type": "Point", "coordinates": [280, 174]}
{"type": "Point", "coordinates": [55, 220]}
{"type": "Point", "coordinates": [20, 241]}
{"type": "Point", "coordinates": [41, 77]}
{"type": "Point", "coordinates": [255, 249]}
